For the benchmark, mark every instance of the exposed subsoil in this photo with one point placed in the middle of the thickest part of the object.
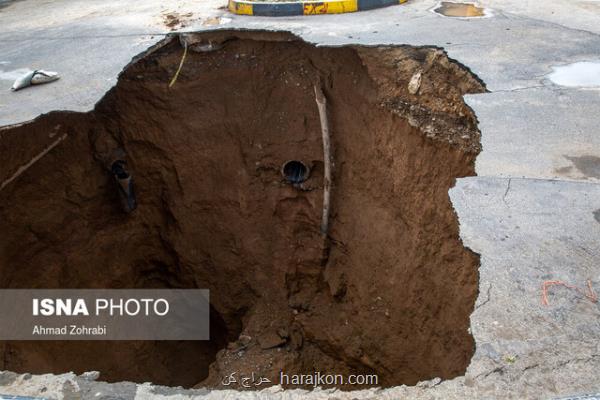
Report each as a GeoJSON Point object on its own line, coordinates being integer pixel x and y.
{"type": "Point", "coordinates": [389, 291]}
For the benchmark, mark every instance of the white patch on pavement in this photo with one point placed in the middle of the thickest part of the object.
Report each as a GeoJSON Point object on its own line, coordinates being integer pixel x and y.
{"type": "Point", "coordinates": [14, 74]}
{"type": "Point", "coordinates": [579, 74]}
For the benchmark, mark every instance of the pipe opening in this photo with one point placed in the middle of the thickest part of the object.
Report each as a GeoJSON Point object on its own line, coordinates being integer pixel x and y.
{"type": "Point", "coordinates": [295, 171]}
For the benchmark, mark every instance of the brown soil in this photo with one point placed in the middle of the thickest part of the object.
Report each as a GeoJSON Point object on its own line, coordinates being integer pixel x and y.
{"type": "Point", "coordinates": [389, 292]}
{"type": "Point", "coordinates": [175, 20]}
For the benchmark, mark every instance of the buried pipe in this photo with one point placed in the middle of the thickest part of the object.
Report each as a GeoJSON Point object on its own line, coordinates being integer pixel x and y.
{"type": "Point", "coordinates": [124, 184]}
{"type": "Point", "coordinates": [185, 49]}
{"type": "Point", "coordinates": [31, 162]}
{"type": "Point", "coordinates": [322, 106]}
{"type": "Point", "coordinates": [117, 165]}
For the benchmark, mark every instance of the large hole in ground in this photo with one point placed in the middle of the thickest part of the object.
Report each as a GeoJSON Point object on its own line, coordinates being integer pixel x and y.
{"type": "Point", "coordinates": [388, 292]}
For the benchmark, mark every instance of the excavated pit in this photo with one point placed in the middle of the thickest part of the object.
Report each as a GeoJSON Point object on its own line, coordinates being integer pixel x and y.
{"type": "Point", "coordinates": [389, 291]}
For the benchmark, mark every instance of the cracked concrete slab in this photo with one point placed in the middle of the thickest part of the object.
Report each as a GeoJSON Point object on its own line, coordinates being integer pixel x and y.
{"type": "Point", "coordinates": [578, 14]}
{"type": "Point", "coordinates": [514, 225]}
{"type": "Point", "coordinates": [539, 133]}
{"type": "Point", "coordinates": [88, 43]}
{"type": "Point", "coordinates": [532, 213]}
{"type": "Point", "coordinates": [493, 48]}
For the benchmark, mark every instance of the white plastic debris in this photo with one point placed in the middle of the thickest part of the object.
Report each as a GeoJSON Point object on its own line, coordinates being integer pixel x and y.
{"type": "Point", "coordinates": [35, 78]}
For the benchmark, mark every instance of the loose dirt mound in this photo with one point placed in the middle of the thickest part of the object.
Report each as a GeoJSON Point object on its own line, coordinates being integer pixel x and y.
{"type": "Point", "coordinates": [391, 290]}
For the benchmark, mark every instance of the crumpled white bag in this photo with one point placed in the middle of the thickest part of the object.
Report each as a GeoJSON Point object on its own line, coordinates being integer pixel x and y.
{"type": "Point", "coordinates": [35, 78]}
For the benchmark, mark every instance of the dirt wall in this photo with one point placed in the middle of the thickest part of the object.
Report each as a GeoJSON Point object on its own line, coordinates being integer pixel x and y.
{"type": "Point", "coordinates": [388, 291]}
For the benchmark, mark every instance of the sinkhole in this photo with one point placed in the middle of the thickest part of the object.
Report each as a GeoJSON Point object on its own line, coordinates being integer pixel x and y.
{"type": "Point", "coordinates": [387, 291]}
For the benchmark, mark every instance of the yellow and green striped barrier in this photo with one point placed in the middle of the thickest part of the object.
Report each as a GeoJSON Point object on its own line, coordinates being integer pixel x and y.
{"type": "Point", "coordinates": [281, 9]}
